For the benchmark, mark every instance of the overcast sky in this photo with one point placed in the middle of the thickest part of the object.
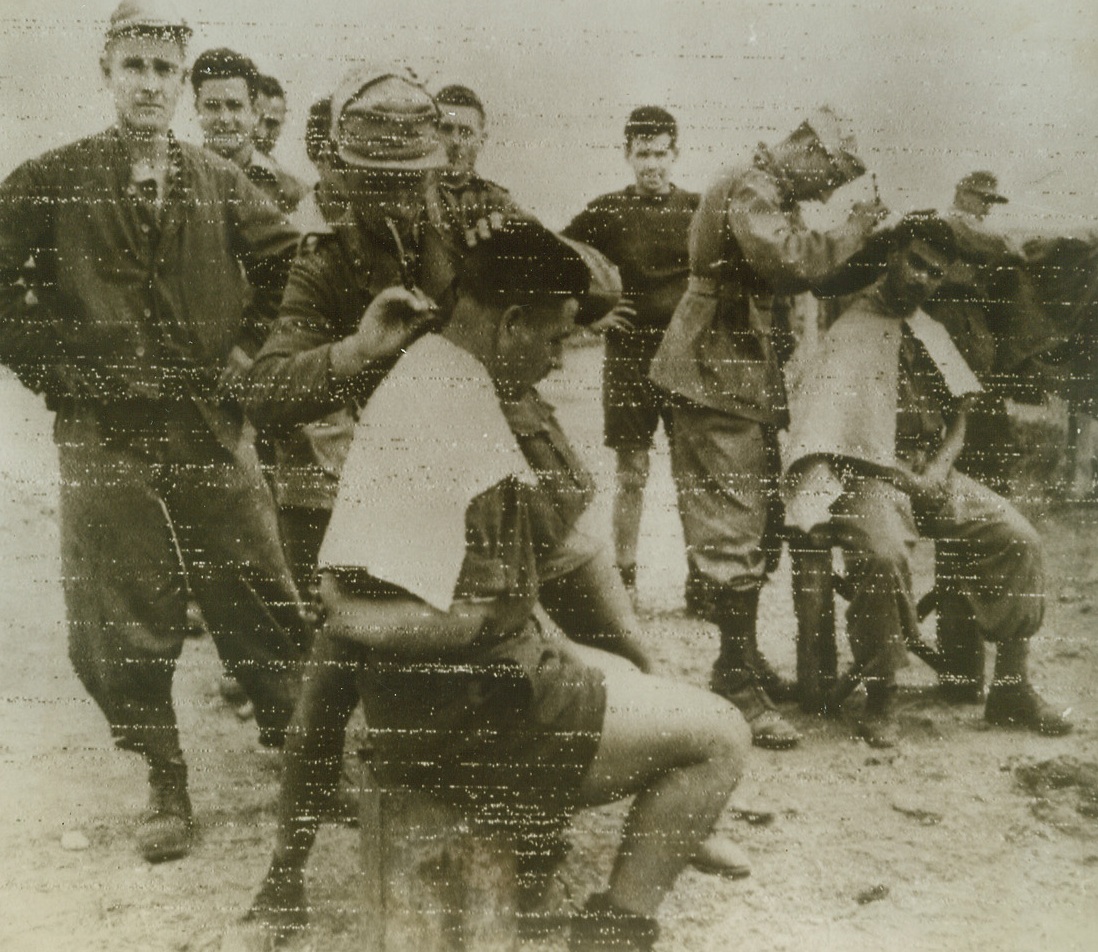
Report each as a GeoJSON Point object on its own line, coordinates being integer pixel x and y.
{"type": "Point", "coordinates": [935, 91]}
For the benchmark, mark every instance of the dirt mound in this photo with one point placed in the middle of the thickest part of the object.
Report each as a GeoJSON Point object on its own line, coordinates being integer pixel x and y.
{"type": "Point", "coordinates": [1063, 790]}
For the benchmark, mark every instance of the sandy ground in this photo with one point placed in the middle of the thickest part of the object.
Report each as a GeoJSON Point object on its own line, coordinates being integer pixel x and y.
{"type": "Point", "coordinates": [934, 847]}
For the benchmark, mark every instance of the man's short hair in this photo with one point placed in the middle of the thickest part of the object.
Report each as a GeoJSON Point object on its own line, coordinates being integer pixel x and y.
{"type": "Point", "coordinates": [318, 130]}
{"type": "Point", "coordinates": [223, 63]}
{"type": "Point", "coordinates": [651, 121]}
{"type": "Point", "coordinates": [269, 86]}
{"type": "Point", "coordinates": [455, 95]}
{"type": "Point", "coordinates": [523, 263]}
{"type": "Point", "coordinates": [927, 227]}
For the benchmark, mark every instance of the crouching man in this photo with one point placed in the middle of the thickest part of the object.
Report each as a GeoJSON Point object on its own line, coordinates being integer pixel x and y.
{"type": "Point", "coordinates": [877, 423]}
{"type": "Point", "coordinates": [431, 566]}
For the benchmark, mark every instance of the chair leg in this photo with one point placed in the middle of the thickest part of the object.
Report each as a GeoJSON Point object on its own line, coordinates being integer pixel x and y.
{"type": "Point", "coordinates": [814, 603]}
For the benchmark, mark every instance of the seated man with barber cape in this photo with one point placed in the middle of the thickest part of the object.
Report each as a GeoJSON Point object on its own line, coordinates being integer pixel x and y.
{"type": "Point", "coordinates": [877, 423]}
{"type": "Point", "coordinates": [432, 566]}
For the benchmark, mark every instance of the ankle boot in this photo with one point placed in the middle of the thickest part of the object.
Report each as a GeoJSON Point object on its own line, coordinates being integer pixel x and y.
{"type": "Point", "coordinates": [601, 926]}
{"type": "Point", "coordinates": [734, 676]}
{"type": "Point", "coordinates": [1012, 701]}
{"type": "Point", "coordinates": [166, 829]}
{"type": "Point", "coordinates": [877, 725]}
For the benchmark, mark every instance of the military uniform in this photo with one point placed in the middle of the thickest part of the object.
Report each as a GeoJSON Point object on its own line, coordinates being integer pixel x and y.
{"type": "Point", "coordinates": [135, 301]}
{"type": "Point", "coordinates": [719, 361]}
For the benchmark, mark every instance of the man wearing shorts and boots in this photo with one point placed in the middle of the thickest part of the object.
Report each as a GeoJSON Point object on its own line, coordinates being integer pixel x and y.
{"type": "Point", "coordinates": [643, 230]}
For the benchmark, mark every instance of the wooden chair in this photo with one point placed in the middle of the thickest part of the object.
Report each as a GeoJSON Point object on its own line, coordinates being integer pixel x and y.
{"type": "Point", "coordinates": [821, 688]}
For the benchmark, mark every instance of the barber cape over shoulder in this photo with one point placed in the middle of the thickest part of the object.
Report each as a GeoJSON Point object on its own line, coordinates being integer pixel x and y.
{"type": "Point", "coordinates": [431, 438]}
{"type": "Point", "coordinates": [844, 404]}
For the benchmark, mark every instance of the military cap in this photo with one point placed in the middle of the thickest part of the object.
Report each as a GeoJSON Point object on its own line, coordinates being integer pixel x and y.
{"type": "Point", "coordinates": [835, 133]}
{"type": "Point", "coordinates": [983, 184]}
{"type": "Point", "coordinates": [148, 16]}
{"type": "Point", "coordinates": [384, 118]}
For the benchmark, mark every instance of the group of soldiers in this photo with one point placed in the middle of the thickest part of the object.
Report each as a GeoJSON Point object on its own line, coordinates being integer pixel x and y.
{"type": "Point", "coordinates": [313, 412]}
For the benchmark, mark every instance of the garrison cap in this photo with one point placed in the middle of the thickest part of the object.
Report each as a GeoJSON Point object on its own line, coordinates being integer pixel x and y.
{"type": "Point", "coordinates": [983, 184]}
{"type": "Point", "coordinates": [384, 118]}
{"type": "Point", "coordinates": [835, 133]}
{"type": "Point", "coordinates": [148, 16]}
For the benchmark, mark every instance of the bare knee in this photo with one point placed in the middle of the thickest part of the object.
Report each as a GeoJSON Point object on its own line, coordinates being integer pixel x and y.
{"type": "Point", "coordinates": [729, 741]}
{"type": "Point", "coordinates": [632, 469]}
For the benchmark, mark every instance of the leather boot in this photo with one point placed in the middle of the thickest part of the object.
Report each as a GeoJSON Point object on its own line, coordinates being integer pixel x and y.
{"type": "Point", "coordinates": [1012, 701]}
{"type": "Point", "coordinates": [734, 676]}
{"type": "Point", "coordinates": [696, 595]}
{"type": "Point", "coordinates": [877, 725]}
{"type": "Point", "coordinates": [960, 642]}
{"type": "Point", "coordinates": [165, 832]}
{"type": "Point", "coordinates": [601, 926]}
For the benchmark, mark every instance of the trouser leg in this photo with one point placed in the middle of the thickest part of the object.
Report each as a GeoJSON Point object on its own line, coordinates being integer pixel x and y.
{"type": "Point", "coordinates": [725, 471]}
{"type": "Point", "coordinates": [302, 530]}
{"type": "Point", "coordinates": [225, 520]}
{"type": "Point", "coordinates": [1000, 583]}
{"type": "Point", "coordinates": [993, 562]}
{"type": "Point", "coordinates": [960, 641]}
{"type": "Point", "coordinates": [873, 525]}
{"type": "Point", "coordinates": [124, 587]}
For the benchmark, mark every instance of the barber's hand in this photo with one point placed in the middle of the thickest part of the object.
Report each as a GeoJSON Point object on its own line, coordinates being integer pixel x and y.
{"type": "Point", "coordinates": [619, 319]}
{"type": "Point", "coordinates": [476, 215]}
{"type": "Point", "coordinates": [392, 321]}
{"type": "Point", "coordinates": [869, 214]}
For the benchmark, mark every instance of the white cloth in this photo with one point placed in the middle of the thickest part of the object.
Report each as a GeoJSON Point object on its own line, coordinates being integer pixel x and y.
{"type": "Point", "coordinates": [431, 438]}
{"type": "Point", "coordinates": [845, 400]}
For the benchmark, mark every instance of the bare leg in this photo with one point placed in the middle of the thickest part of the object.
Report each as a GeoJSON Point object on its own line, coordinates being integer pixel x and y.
{"type": "Point", "coordinates": [681, 751]}
{"type": "Point", "coordinates": [1086, 449]}
{"type": "Point", "coordinates": [629, 504]}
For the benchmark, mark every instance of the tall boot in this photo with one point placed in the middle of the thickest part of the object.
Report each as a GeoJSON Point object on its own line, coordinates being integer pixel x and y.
{"type": "Point", "coordinates": [1012, 701]}
{"type": "Point", "coordinates": [165, 832]}
{"type": "Point", "coordinates": [734, 676]}
{"type": "Point", "coordinates": [601, 927]}
{"type": "Point", "coordinates": [960, 642]}
{"type": "Point", "coordinates": [877, 726]}
{"type": "Point", "coordinates": [696, 594]}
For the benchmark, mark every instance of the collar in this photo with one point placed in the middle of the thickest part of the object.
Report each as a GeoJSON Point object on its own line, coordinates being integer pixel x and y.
{"type": "Point", "coordinates": [176, 178]}
{"type": "Point", "coordinates": [634, 192]}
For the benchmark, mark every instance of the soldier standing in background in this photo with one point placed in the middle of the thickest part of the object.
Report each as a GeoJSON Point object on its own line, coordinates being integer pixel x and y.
{"type": "Point", "coordinates": [226, 87]}
{"type": "Point", "coordinates": [643, 230]}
